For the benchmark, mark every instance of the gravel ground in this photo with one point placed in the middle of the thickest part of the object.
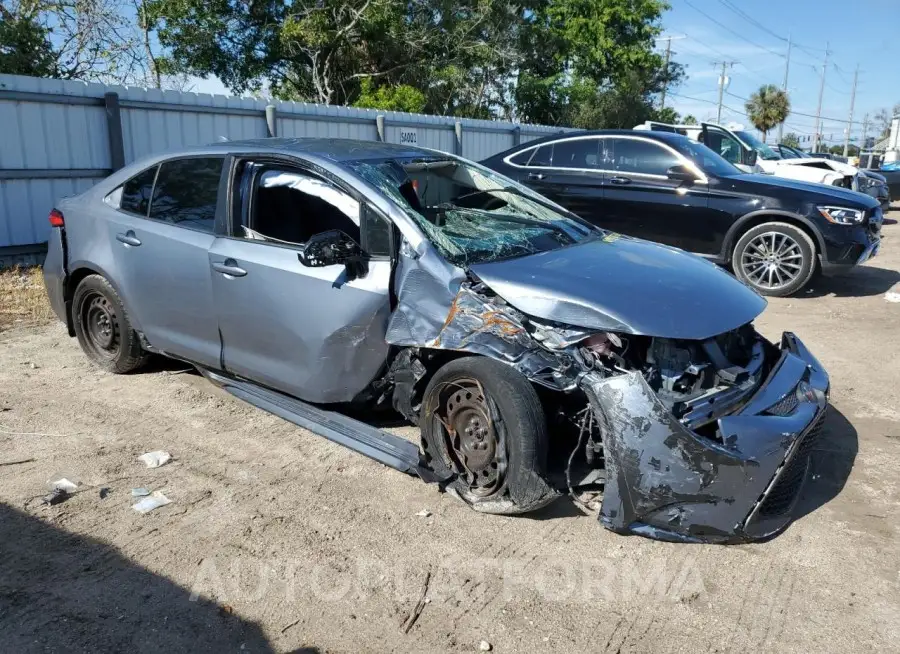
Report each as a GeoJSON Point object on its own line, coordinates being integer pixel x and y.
{"type": "Point", "coordinates": [277, 540]}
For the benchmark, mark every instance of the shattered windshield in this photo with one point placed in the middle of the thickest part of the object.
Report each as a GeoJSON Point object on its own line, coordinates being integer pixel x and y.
{"type": "Point", "coordinates": [470, 213]}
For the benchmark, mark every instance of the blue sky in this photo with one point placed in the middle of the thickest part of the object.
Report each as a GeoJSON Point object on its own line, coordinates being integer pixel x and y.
{"type": "Point", "coordinates": [863, 32]}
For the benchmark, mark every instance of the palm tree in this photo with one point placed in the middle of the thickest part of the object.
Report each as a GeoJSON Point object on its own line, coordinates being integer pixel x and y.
{"type": "Point", "coordinates": [768, 107]}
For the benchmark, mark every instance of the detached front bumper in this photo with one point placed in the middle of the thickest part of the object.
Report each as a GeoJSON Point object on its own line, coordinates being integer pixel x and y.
{"type": "Point", "coordinates": [665, 481]}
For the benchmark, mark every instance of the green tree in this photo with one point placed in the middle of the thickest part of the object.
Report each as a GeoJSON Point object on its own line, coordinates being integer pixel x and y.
{"type": "Point", "coordinates": [689, 120]}
{"type": "Point", "coordinates": [25, 47]}
{"type": "Point", "coordinates": [460, 54]}
{"type": "Point", "coordinates": [767, 108]}
{"type": "Point", "coordinates": [667, 115]}
{"type": "Point", "coordinates": [390, 98]}
{"type": "Point", "coordinates": [791, 140]}
{"type": "Point", "coordinates": [582, 57]}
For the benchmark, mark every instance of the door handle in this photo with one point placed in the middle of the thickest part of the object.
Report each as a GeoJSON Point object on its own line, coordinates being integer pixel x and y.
{"type": "Point", "coordinates": [229, 267]}
{"type": "Point", "coordinates": [536, 176]}
{"type": "Point", "coordinates": [619, 180]}
{"type": "Point", "coordinates": [128, 238]}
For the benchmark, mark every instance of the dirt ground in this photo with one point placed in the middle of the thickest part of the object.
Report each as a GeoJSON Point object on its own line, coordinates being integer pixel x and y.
{"type": "Point", "coordinates": [277, 540]}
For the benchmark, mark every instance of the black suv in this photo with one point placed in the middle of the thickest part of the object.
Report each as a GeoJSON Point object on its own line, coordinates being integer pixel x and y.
{"type": "Point", "coordinates": [665, 187]}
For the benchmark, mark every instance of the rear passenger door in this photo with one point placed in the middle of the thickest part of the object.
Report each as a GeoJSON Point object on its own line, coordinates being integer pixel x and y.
{"type": "Point", "coordinates": [567, 172]}
{"type": "Point", "coordinates": [640, 199]}
{"type": "Point", "coordinates": [159, 235]}
{"type": "Point", "coordinates": [311, 332]}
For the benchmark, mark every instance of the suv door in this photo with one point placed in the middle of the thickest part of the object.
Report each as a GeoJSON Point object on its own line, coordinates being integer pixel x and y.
{"type": "Point", "coordinates": [313, 333]}
{"type": "Point", "coordinates": [161, 226]}
{"type": "Point", "coordinates": [567, 171]}
{"type": "Point", "coordinates": [640, 200]}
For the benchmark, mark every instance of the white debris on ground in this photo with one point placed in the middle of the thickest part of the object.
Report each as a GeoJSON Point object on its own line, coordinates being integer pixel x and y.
{"type": "Point", "coordinates": [155, 459]}
{"type": "Point", "coordinates": [153, 501]}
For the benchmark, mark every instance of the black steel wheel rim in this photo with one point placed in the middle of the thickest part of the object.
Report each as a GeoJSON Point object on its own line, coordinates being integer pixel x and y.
{"type": "Point", "coordinates": [98, 320]}
{"type": "Point", "coordinates": [474, 443]}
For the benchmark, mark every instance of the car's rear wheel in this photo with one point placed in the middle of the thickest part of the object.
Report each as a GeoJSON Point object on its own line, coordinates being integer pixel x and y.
{"type": "Point", "coordinates": [103, 329]}
{"type": "Point", "coordinates": [483, 422]}
{"type": "Point", "coordinates": [775, 259]}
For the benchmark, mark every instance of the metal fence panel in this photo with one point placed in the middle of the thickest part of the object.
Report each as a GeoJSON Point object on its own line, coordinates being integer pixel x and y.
{"type": "Point", "coordinates": [58, 137]}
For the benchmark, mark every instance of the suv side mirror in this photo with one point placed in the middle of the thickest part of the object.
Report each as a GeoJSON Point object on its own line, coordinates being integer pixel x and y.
{"type": "Point", "coordinates": [681, 173]}
{"type": "Point", "coordinates": [329, 248]}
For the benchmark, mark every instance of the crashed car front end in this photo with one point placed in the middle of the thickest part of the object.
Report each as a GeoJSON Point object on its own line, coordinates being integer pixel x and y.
{"type": "Point", "coordinates": [739, 481]}
{"type": "Point", "coordinates": [687, 440]}
{"type": "Point", "coordinates": [660, 396]}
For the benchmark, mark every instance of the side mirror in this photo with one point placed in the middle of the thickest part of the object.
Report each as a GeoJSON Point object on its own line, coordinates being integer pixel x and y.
{"type": "Point", "coordinates": [750, 157]}
{"type": "Point", "coordinates": [328, 249]}
{"type": "Point", "coordinates": [681, 173]}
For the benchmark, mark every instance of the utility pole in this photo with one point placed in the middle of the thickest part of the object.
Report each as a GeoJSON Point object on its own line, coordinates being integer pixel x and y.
{"type": "Point", "coordinates": [864, 139]}
{"type": "Point", "coordinates": [850, 119]}
{"type": "Point", "coordinates": [662, 100]}
{"type": "Point", "coordinates": [722, 86]}
{"type": "Point", "coordinates": [787, 67]}
{"type": "Point", "coordinates": [821, 93]}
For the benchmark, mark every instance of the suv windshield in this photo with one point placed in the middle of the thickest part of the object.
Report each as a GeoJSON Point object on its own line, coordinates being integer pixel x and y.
{"type": "Point", "coordinates": [709, 161]}
{"type": "Point", "coordinates": [470, 213]}
{"type": "Point", "coordinates": [763, 150]}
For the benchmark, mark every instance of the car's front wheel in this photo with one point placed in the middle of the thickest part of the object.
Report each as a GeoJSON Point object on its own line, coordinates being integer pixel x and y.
{"type": "Point", "coordinates": [102, 327]}
{"type": "Point", "coordinates": [484, 424]}
{"type": "Point", "coordinates": [775, 259]}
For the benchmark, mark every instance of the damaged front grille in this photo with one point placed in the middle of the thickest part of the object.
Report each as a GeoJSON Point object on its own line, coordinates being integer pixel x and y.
{"type": "Point", "coordinates": [783, 492]}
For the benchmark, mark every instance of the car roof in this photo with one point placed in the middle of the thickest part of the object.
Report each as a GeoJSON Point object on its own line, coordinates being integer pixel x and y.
{"type": "Point", "coordinates": [666, 137]}
{"type": "Point", "coordinates": [334, 149]}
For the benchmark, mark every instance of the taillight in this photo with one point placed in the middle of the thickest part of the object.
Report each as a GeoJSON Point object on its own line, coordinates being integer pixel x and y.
{"type": "Point", "coordinates": [56, 218]}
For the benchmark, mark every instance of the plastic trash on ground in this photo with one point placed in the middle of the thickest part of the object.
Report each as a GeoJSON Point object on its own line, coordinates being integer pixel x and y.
{"type": "Point", "coordinates": [153, 501]}
{"type": "Point", "coordinates": [155, 459]}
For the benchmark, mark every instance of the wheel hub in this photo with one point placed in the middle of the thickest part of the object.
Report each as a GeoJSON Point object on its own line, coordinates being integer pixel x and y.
{"type": "Point", "coordinates": [477, 444]}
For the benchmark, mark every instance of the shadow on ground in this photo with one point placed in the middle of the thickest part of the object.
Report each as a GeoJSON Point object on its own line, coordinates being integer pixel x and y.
{"type": "Point", "coordinates": [862, 281]}
{"type": "Point", "coordinates": [64, 592]}
{"type": "Point", "coordinates": [831, 462]}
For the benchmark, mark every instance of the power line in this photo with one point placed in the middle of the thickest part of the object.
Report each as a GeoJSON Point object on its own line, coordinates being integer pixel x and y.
{"type": "Point", "coordinates": [705, 101]}
{"type": "Point", "coordinates": [748, 18]}
{"type": "Point", "coordinates": [737, 34]}
{"type": "Point", "coordinates": [752, 72]}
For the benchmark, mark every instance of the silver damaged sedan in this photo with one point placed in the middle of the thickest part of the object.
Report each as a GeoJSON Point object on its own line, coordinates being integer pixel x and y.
{"type": "Point", "coordinates": [540, 356]}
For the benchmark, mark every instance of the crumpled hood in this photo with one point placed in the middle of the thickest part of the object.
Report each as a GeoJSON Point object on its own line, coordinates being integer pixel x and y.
{"type": "Point", "coordinates": [627, 285]}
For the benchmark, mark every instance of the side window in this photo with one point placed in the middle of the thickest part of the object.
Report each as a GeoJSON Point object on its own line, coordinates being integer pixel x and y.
{"type": "Point", "coordinates": [724, 145]}
{"type": "Point", "coordinates": [186, 192]}
{"type": "Point", "coordinates": [580, 153]}
{"type": "Point", "coordinates": [640, 156]}
{"type": "Point", "coordinates": [136, 192]}
{"type": "Point", "coordinates": [289, 206]}
{"type": "Point", "coordinates": [543, 156]}
{"type": "Point", "coordinates": [522, 158]}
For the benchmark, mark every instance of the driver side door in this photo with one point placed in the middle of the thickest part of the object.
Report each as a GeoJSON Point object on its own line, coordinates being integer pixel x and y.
{"type": "Point", "coordinates": [313, 332]}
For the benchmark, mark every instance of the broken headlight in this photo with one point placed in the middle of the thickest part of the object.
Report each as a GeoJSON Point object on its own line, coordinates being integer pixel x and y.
{"type": "Point", "coordinates": [843, 215]}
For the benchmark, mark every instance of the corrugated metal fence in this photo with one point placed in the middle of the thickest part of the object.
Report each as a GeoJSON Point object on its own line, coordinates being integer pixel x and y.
{"type": "Point", "coordinates": [58, 137]}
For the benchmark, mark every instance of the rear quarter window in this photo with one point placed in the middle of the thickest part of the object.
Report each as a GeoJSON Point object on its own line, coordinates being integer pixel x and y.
{"type": "Point", "coordinates": [136, 192]}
